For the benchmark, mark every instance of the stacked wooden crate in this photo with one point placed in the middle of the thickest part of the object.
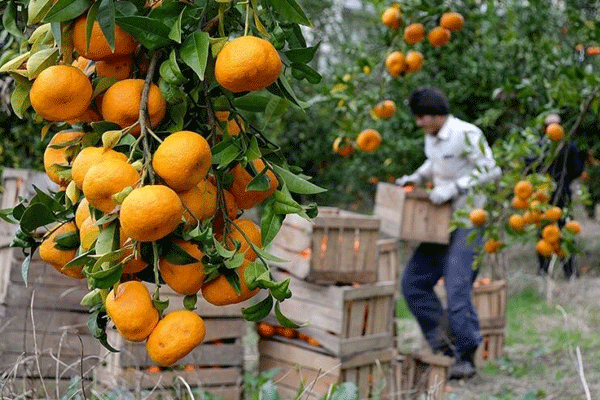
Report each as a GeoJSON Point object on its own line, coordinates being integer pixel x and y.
{"type": "Point", "coordinates": [334, 271]}
{"type": "Point", "coordinates": [44, 339]}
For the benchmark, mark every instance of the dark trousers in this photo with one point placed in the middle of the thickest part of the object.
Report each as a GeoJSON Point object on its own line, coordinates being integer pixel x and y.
{"type": "Point", "coordinates": [452, 261]}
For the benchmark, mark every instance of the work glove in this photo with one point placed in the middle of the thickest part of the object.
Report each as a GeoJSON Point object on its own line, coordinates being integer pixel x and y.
{"type": "Point", "coordinates": [442, 193]}
{"type": "Point", "coordinates": [405, 180]}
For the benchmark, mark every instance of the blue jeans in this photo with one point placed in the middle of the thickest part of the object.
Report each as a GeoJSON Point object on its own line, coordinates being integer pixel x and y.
{"type": "Point", "coordinates": [429, 262]}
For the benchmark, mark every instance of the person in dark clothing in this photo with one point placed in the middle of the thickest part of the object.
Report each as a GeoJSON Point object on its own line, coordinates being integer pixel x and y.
{"type": "Point", "coordinates": [564, 169]}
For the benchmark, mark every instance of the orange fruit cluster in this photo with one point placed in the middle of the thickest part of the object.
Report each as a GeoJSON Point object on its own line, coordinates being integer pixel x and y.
{"type": "Point", "coordinates": [267, 330]}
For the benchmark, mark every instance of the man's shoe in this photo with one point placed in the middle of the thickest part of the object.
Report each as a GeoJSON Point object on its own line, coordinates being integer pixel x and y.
{"type": "Point", "coordinates": [462, 370]}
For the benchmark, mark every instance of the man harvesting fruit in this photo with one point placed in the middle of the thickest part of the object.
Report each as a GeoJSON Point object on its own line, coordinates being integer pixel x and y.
{"type": "Point", "coordinates": [458, 158]}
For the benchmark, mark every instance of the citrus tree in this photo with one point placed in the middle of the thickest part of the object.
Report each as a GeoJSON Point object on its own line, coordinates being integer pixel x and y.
{"type": "Point", "coordinates": [148, 109]}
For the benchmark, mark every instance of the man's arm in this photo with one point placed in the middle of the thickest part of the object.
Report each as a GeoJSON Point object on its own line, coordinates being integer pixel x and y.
{"type": "Point", "coordinates": [480, 155]}
{"type": "Point", "coordinates": [422, 174]}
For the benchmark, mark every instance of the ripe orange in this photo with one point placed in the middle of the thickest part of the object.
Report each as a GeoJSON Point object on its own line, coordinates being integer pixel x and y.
{"type": "Point", "coordinates": [130, 309]}
{"type": "Point", "coordinates": [89, 115]}
{"type": "Point", "coordinates": [516, 222]}
{"type": "Point", "coordinates": [541, 195]}
{"type": "Point", "coordinates": [251, 231]}
{"type": "Point", "coordinates": [544, 248]}
{"type": "Point", "coordinates": [121, 104]}
{"type": "Point", "coordinates": [384, 109]}
{"type": "Point", "coordinates": [220, 292]}
{"type": "Point", "coordinates": [60, 93]}
{"type": "Point", "coordinates": [395, 63]}
{"type": "Point", "coordinates": [107, 178]}
{"type": "Point", "coordinates": [452, 21]}
{"type": "Point", "coordinates": [555, 132]}
{"type": "Point", "coordinates": [573, 226]}
{"type": "Point", "coordinates": [585, 176]}
{"type": "Point", "coordinates": [265, 330]}
{"type": "Point", "coordinates": [201, 201]}
{"type": "Point", "coordinates": [519, 203]}
{"type": "Point", "coordinates": [523, 190]}
{"type": "Point", "coordinates": [478, 216]}
{"type": "Point", "coordinates": [82, 212]}
{"type": "Point", "coordinates": [99, 49]}
{"type": "Point", "coordinates": [551, 233]}
{"type": "Point", "coordinates": [491, 246]}
{"type": "Point", "coordinates": [58, 257]}
{"type": "Point", "coordinates": [552, 214]}
{"type": "Point", "coordinates": [368, 140]}
{"type": "Point", "coordinates": [177, 334]}
{"type": "Point", "coordinates": [414, 33]}
{"type": "Point", "coordinates": [286, 332]}
{"type": "Point", "coordinates": [117, 68]}
{"type": "Point", "coordinates": [247, 63]}
{"type": "Point", "coordinates": [414, 61]}
{"type": "Point", "coordinates": [88, 233]}
{"type": "Point", "coordinates": [58, 155]}
{"type": "Point", "coordinates": [343, 146]}
{"type": "Point", "coordinates": [438, 36]}
{"type": "Point", "coordinates": [234, 126]}
{"type": "Point", "coordinates": [182, 160]}
{"type": "Point", "coordinates": [89, 157]}
{"type": "Point", "coordinates": [184, 279]}
{"type": "Point", "coordinates": [592, 50]}
{"type": "Point", "coordinates": [246, 199]}
{"type": "Point", "coordinates": [392, 18]}
{"type": "Point", "coordinates": [150, 213]}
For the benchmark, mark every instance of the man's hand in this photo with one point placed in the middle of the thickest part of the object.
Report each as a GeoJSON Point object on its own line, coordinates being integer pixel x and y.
{"type": "Point", "coordinates": [442, 193]}
{"type": "Point", "coordinates": [405, 180]}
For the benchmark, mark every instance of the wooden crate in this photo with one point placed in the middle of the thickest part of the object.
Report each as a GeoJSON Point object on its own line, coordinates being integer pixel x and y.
{"type": "Point", "coordinates": [317, 371]}
{"type": "Point", "coordinates": [492, 345]}
{"type": "Point", "coordinates": [419, 374]}
{"type": "Point", "coordinates": [344, 319]}
{"type": "Point", "coordinates": [388, 249]}
{"type": "Point", "coordinates": [336, 247]}
{"type": "Point", "coordinates": [410, 215]}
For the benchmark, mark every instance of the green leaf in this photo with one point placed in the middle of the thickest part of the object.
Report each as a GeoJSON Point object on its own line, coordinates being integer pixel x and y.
{"type": "Point", "coordinates": [270, 223]}
{"type": "Point", "coordinates": [290, 10]}
{"type": "Point", "coordinates": [66, 10]}
{"type": "Point", "coordinates": [15, 62]}
{"type": "Point", "coordinates": [303, 71]}
{"type": "Point", "coordinates": [41, 60]}
{"type": "Point", "coordinates": [36, 10]}
{"type": "Point", "coordinates": [252, 273]}
{"type": "Point", "coordinates": [268, 256]}
{"type": "Point", "coordinates": [151, 33]}
{"type": "Point", "coordinates": [9, 19]}
{"type": "Point", "coordinates": [283, 320]}
{"type": "Point", "coordinates": [36, 215]}
{"type": "Point", "coordinates": [19, 99]}
{"type": "Point", "coordinates": [175, 254]}
{"type": "Point", "coordinates": [222, 251]}
{"type": "Point", "coordinates": [253, 151]}
{"type": "Point", "coordinates": [175, 33]}
{"type": "Point", "coordinates": [25, 268]}
{"type": "Point", "coordinates": [234, 262]}
{"type": "Point", "coordinates": [297, 184]}
{"type": "Point", "coordinates": [225, 156]}
{"type": "Point", "coordinates": [281, 290]}
{"type": "Point", "coordinates": [105, 279]}
{"type": "Point", "coordinates": [189, 302]}
{"type": "Point", "coordinates": [260, 182]}
{"type": "Point", "coordinates": [7, 215]}
{"type": "Point", "coordinates": [170, 71]}
{"type": "Point", "coordinates": [253, 102]}
{"type": "Point", "coordinates": [108, 240]}
{"type": "Point", "coordinates": [259, 310]}
{"type": "Point", "coordinates": [67, 240]}
{"type": "Point", "coordinates": [194, 52]}
{"type": "Point", "coordinates": [303, 55]}
{"type": "Point", "coordinates": [275, 107]}
{"type": "Point", "coordinates": [106, 20]}
{"type": "Point", "coordinates": [160, 305]}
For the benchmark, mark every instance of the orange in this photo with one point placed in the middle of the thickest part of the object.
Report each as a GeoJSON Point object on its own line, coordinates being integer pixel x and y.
{"type": "Point", "coordinates": [585, 176]}
{"type": "Point", "coordinates": [395, 63]}
{"type": "Point", "coordinates": [182, 160]}
{"type": "Point", "coordinates": [130, 309]}
{"type": "Point", "coordinates": [84, 65]}
{"type": "Point", "coordinates": [491, 245]}
{"type": "Point", "coordinates": [135, 264]}
{"type": "Point", "coordinates": [343, 146]}
{"type": "Point", "coordinates": [98, 48]}
{"type": "Point", "coordinates": [82, 212]}
{"type": "Point", "coordinates": [184, 279]}
{"type": "Point", "coordinates": [368, 140]}
{"type": "Point", "coordinates": [58, 155]}
{"type": "Point", "coordinates": [555, 132]}
{"type": "Point", "coordinates": [516, 222]}
{"type": "Point", "coordinates": [60, 93]}
{"type": "Point", "coordinates": [89, 115]}
{"type": "Point", "coordinates": [107, 178]}
{"type": "Point", "coordinates": [286, 332]}
{"type": "Point", "coordinates": [117, 68]}
{"type": "Point", "coordinates": [438, 36]}
{"type": "Point", "coordinates": [544, 248]}
{"type": "Point", "coordinates": [245, 199]}
{"type": "Point", "coordinates": [121, 104]}
{"type": "Point", "coordinates": [247, 63]}
{"type": "Point", "coordinates": [414, 61]}
{"type": "Point", "coordinates": [592, 50]}
{"type": "Point", "coordinates": [175, 336]}
{"type": "Point", "coordinates": [414, 33]}
{"type": "Point", "coordinates": [88, 233]}
{"type": "Point", "coordinates": [523, 190]}
{"type": "Point", "coordinates": [384, 109]}
{"type": "Point", "coordinates": [244, 228]}
{"type": "Point", "coordinates": [552, 214]}
{"type": "Point", "coordinates": [150, 213]}
{"type": "Point", "coordinates": [452, 21]}
{"type": "Point", "coordinates": [220, 292]}
{"type": "Point", "coordinates": [392, 18]}
{"type": "Point", "coordinates": [265, 330]}
{"type": "Point", "coordinates": [478, 216]}
{"type": "Point", "coordinates": [541, 196]}
{"type": "Point", "coordinates": [234, 125]}
{"type": "Point", "coordinates": [551, 233]}
{"type": "Point", "coordinates": [200, 201]}
{"type": "Point", "coordinates": [573, 226]}
{"type": "Point", "coordinates": [57, 257]}
{"type": "Point", "coordinates": [89, 157]}
{"type": "Point", "coordinates": [519, 203]}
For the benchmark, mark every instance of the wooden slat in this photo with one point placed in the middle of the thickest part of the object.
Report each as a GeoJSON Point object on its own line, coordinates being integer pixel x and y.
{"type": "Point", "coordinates": [69, 345]}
